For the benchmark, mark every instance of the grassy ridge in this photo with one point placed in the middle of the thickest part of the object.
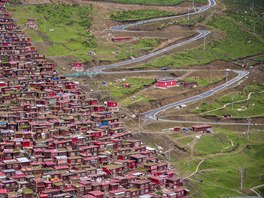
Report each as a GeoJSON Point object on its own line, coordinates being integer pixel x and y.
{"type": "Point", "coordinates": [63, 30]}
{"type": "Point", "coordinates": [184, 21]}
{"type": "Point", "coordinates": [64, 27]}
{"type": "Point", "coordinates": [155, 2]}
{"type": "Point", "coordinates": [203, 81]}
{"type": "Point", "coordinates": [237, 43]}
{"type": "Point", "coordinates": [119, 92]}
{"type": "Point", "coordinates": [136, 15]}
{"type": "Point", "coordinates": [225, 172]}
{"type": "Point", "coordinates": [251, 108]}
{"type": "Point", "coordinates": [218, 175]}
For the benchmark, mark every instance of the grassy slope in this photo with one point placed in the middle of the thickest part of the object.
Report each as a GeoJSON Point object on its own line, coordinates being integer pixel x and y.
{"type": "Point", "coordinates": [220, 170]}
{"type": "Point", "coordinates": [70, 35]}
{"type": "Point", "coordinates": [184, 21]}
{"type": "Point", "coordinates": [70, 30]}
{"type": "Point", "coordinates": [136, 15]}
{"type": "Point", "coordinates": [154, 2]}
{"type": "Point", "coordinates": [237, 43]}
{"type": "Point", "coordinates": [203, 81]}
{"type": "Point", "coordinates": [136, 84]}
{"type": "Point", "coordinates": [251, 108]}
{"type": "Point", "coordinates": [225, 172]}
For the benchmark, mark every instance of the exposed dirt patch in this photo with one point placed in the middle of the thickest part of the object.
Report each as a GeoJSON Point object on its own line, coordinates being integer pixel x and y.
{"type": "Point", "coordinates": [31, 2]}
{"type": "Point", "coordinates": [164, 141]}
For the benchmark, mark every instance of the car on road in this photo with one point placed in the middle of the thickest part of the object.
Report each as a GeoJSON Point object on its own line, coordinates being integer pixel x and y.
{"type": "Point", "coordinates": [180, 106]}
{"type": "Point", "coordinates": [164, 68]}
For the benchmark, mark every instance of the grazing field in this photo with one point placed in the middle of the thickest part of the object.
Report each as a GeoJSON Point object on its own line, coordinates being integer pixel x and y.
{"type": "Point", "coordinates": [134, 84]}
{"type": "Point", "coordinates": [220, 176]}
{"type": "Point", "coordinates": [236, 43]}
{"type": "Point", "coordinates": [155, 2]}
{"type": "Point", "coordinates": [64, 30]}
{"type": "Point", "coordinates": [63, 27]}
{"type": "Point", "coordinates": [136, 15]}
{"type": "Point", "coordinates": [129, 102]}
{"type": "Point", "coordinates": [224, 153]}
{"type": "Point", "coordinates": [244, 105]}
{"type": "Point", "coordinates": [203, 81]}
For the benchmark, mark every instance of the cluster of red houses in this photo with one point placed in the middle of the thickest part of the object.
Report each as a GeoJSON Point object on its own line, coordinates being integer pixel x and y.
{"type": "Point", "coordinates": [56, 142]}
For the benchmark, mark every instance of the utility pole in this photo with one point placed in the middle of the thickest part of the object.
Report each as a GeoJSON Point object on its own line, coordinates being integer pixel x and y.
{"type": "Point", "coordinates": [242, 172]}
{"type": "Point", "coordinates": [130, 52]}
{"type": "Point", "coordinates": [252, 7]}
{"type": "Point", "coordinates": [232, 102]}
{"type": "Point", "coordinates": [248, 127]}
{"type": "Point", "coordinates": [110, 96]}
{"type": "Point", "coordinates": [179, 168]}
{"type": "Point", "coordinates": [204, 43]}
{"type": "Point", "coordinates": [226, 75]}
{"type": "Point", "coordinates": [170, 153]}
{"type": "Point", "coordinates": [210, 72]}
{"type": "Point", "coordinates": [139, 123]}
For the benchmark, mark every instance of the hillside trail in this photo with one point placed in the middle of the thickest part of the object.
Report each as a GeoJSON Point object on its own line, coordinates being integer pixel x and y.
{"type": "Point", "coordinates": [228, 104]}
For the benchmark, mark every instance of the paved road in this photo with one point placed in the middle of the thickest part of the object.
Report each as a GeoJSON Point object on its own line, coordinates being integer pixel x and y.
{"type": "Point", "coordinates": [152, 114]}
{"type": "Point", "coordinates": [211, 3]}
{"type": "Point", "coordinates": [212, 123]}
{"type": "Point", "coordinates": [201, 34]}
{"type": "Point", "coordinates": [99, 69]}
{"type": "Point", "coordinates": [157, 70]}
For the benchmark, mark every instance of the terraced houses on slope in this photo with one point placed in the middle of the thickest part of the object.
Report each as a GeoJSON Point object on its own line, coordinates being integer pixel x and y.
{"type": "Point", "coordinates": [56, 142]}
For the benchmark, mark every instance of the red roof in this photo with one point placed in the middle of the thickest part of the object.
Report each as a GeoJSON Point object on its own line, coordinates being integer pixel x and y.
{"type": "Point", "coordinates": [96, 193]}
{"type": "Point", "coordinates": [3, 191]}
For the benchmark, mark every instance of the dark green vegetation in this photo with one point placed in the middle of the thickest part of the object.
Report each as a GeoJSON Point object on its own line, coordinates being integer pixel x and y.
{"type": "Point", "coordinates": [136, 15]}
{"type": "Point", "coordinates": [244, 104]}
{"type": "Point", "coordinates": [155, 2]}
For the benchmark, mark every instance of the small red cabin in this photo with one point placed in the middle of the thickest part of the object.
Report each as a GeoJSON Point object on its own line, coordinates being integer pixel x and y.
{"type": "Point", "coordinates": [2, 84]}
{"type": "Point", "coordinates": [31, 23]}
{"type": "Point", "coordinates": [77, 66]}
{"type": "Point", "coordinates": [202, 128]}
{"type": "Point", "coordinates": [163, 84]}
{"type": "Point", "coordinates": [111, 104]}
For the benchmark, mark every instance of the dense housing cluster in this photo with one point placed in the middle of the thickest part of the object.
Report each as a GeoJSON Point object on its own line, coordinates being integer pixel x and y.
{"type": "Point", "coordinates": [56, 142]}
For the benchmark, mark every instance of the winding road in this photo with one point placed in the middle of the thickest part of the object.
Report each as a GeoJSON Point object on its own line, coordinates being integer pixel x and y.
{"type": "Point", "coordinates": [152, 114]}
{"type": "Point", "coordinates": [99, 69]}
{"type": "Point", "coordinates": [201, 34]}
